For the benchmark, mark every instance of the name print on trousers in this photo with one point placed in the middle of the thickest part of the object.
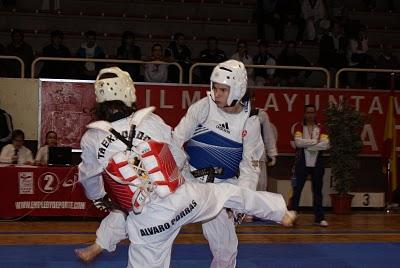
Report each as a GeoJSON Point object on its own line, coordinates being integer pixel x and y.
{"type": "Point", "coordinates": [163, 227]}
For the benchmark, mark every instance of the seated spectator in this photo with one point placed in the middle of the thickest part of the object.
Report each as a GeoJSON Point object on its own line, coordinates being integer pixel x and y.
{"type": "Point", "coordinates": [129, 51]}
{"type": "Point", "coordinates": [313, 11]}
{"type": "Point", "coordinates": [179, 52]}
{"type": "Point", "coordinates": [358, 57]}
{"type": "Point", "coordinates": [6, 128]}
{"type": "Point", "coordinates": [278, 14]}
{"type": "Point", "coordinates": [153, 72]}
{"type": "Point", "coordinates": [264, 77]}
{"type": "Point", "coordinates": [265, 13]}
{"type": "Point", "coordinates": [16, 152]}
{"type": "Point", "coordinates": [336, 8]}
{"type": "Point", "coordinates": [332, 47]}
{"type": "Point", "coordinates": [56, 69]}
{"type": "Point", "coordinates": [90, 50]}
{"type": "Point", "coordinates": [42, 155]}
{"type": "Point", "coordinates": [48, 5]}
{"type": "Point", "coordinates": [18, 47]}
{"type": "Point", "coordinates": [210, 55]}
{"type": "Point", "coordinates": [386, 60]}
{"type": "Point", "coordinates": [243, 56]}
{"type": "Point", "coordinates": [290, 57]}
{"type": "Point", "coordinates": [371, 4]}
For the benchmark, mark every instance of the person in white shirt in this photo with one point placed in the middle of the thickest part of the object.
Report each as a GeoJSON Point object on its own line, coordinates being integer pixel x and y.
{"type": "Point", "coordinates": [242, 55]}
{"type": "Point", "coordinates": [310, 140]}
{"type": "Point", "coordinates": [42, 156]}
{"type": "Point", "coordinates": [16, 152]}
{"type": "Point", "coordinates": [157, 73]}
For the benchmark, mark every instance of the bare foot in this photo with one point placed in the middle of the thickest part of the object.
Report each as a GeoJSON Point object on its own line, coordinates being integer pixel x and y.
{"type": "Point", "coordinates": [88, 253]}
{"type": "Point", "coordinates": [289, 218]}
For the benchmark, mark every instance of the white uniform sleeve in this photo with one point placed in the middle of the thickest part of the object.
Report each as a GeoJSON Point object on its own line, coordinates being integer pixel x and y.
{"type": "Point", "coordinates": [162, 132]}
{"type": "Point", "coordinates": [90, 169]}
{"type": "Point", "coordinates": [253, 149]}
{"type": "Point", "coordinates": [268, 134]}
{"type": "Point", "coordinates": [196, 114]}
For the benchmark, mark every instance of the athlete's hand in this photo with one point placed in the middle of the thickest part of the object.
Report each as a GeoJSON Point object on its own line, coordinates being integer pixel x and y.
{"type": "Point", "coordinates": [104, 203]}
{"type": "Point", "coordinates": [271, 161]}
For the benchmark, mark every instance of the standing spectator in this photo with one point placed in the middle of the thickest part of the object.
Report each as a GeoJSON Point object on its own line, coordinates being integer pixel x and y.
{"type": "Point", "coordinates": [313, 11]}
{"type": "Point", "coordinates": [386, 61]}
{"type": "Point", "coordinates": [16, 152]}
{"type": "Point", "coordinates": [129, 51]}
{"type": "Point", "coordinates": [18, 47]}
{"type": "Point", "coordinates": [42, 155]}
{"type": "Point", "coordinates": [153, 72]}
{"type": "Point", "coordinates": [264, 77]}
{"type": "Point", "coordinates": [179, 52]}
{"type": "Point", "coordinates": [90, 50]}
{"type": "Point", "coordinates": [243, 56]}
{"type": "Point", "coordinates": [310, 141]}
{"type": "Point", "coordinates": [6, 128]}
{"type": "Point", "coordinates": [56, 69]}
{"type": "Point", "coordinates": [210, 55]}
{"type": "Point", "coordinates": [290, 57]}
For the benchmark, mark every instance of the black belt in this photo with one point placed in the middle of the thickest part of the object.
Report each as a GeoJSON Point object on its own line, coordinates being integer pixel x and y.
{"type": "Point", "coordinates": [210, 172]}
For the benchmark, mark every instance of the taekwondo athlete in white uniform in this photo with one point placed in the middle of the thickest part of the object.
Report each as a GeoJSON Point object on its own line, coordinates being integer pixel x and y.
{"type": "Point", "coordinates": [222, 138]}
{"type": "Point", "coordinates": [132, 157]}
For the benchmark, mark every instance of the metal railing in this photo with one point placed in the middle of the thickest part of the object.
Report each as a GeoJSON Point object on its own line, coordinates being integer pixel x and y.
{"type": "Point", "coordinates": [21, 62]}
{"type": "Point", "coordinates": [303, 68]}
{"type": "Point", "coordinates": [33, 66]}
{"type": "Point", "coordinates": [339, 72]}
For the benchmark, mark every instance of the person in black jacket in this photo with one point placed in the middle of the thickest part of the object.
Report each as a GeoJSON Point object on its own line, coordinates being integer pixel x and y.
{"type": "Point", "coordinates": [56, 69]}
{"type": "Point", "coordinates": [6, 128]}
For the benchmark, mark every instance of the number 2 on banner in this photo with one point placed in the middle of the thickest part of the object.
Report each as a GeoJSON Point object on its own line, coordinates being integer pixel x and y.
{"type": "Point", "coordinates": [49, 178]}
{"type": "Point", "coordinates": [48, 182]}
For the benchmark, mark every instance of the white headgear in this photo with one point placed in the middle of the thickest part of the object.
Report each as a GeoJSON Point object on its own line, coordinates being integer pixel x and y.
{"type": "Point", "coordinates": [233, 74]}
{"type": "Point", "coordinates": [120, 87]}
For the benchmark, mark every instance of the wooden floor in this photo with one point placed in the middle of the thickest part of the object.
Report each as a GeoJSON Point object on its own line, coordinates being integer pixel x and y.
{"type": "Point", "coordinates": [358, 227]}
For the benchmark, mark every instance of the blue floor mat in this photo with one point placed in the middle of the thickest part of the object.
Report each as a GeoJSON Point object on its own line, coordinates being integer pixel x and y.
{"type": "Point", "coordinates": [385, 255]}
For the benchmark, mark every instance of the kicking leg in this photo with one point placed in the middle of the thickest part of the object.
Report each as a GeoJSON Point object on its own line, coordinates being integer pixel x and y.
{"type": "Point", "coordinates": [111, 231]}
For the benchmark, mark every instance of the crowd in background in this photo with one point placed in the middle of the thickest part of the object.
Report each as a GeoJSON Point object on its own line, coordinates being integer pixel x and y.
{"type": "Point", "coordinates": [341, 42]}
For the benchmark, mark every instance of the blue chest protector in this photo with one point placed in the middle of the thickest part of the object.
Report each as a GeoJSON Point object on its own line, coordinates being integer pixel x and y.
{"type": "Point", "coordinates": [209, 149]}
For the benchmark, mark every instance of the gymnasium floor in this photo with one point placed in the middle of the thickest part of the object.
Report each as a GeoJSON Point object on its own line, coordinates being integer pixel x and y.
{"type": "Point", "coordinates": [357, 240]}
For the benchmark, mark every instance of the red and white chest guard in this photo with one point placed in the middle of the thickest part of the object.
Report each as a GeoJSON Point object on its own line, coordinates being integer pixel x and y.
{"type": "Point", "coordinates": [125, 181]}
{"type": "Point", "coordinates": [131, 175]}
{"type": "Point", "coordinates": [161, 167]}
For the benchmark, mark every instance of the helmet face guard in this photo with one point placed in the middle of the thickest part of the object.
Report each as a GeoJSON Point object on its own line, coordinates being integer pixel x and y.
{"type": "Point", "coordinates": [119, 87]}
{"type": "Point", "coordinates": [233, 74]}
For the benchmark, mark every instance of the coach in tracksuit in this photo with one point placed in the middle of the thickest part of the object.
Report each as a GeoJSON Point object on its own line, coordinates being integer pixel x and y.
{"type": "Point", "coordinates": [310, 141]}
